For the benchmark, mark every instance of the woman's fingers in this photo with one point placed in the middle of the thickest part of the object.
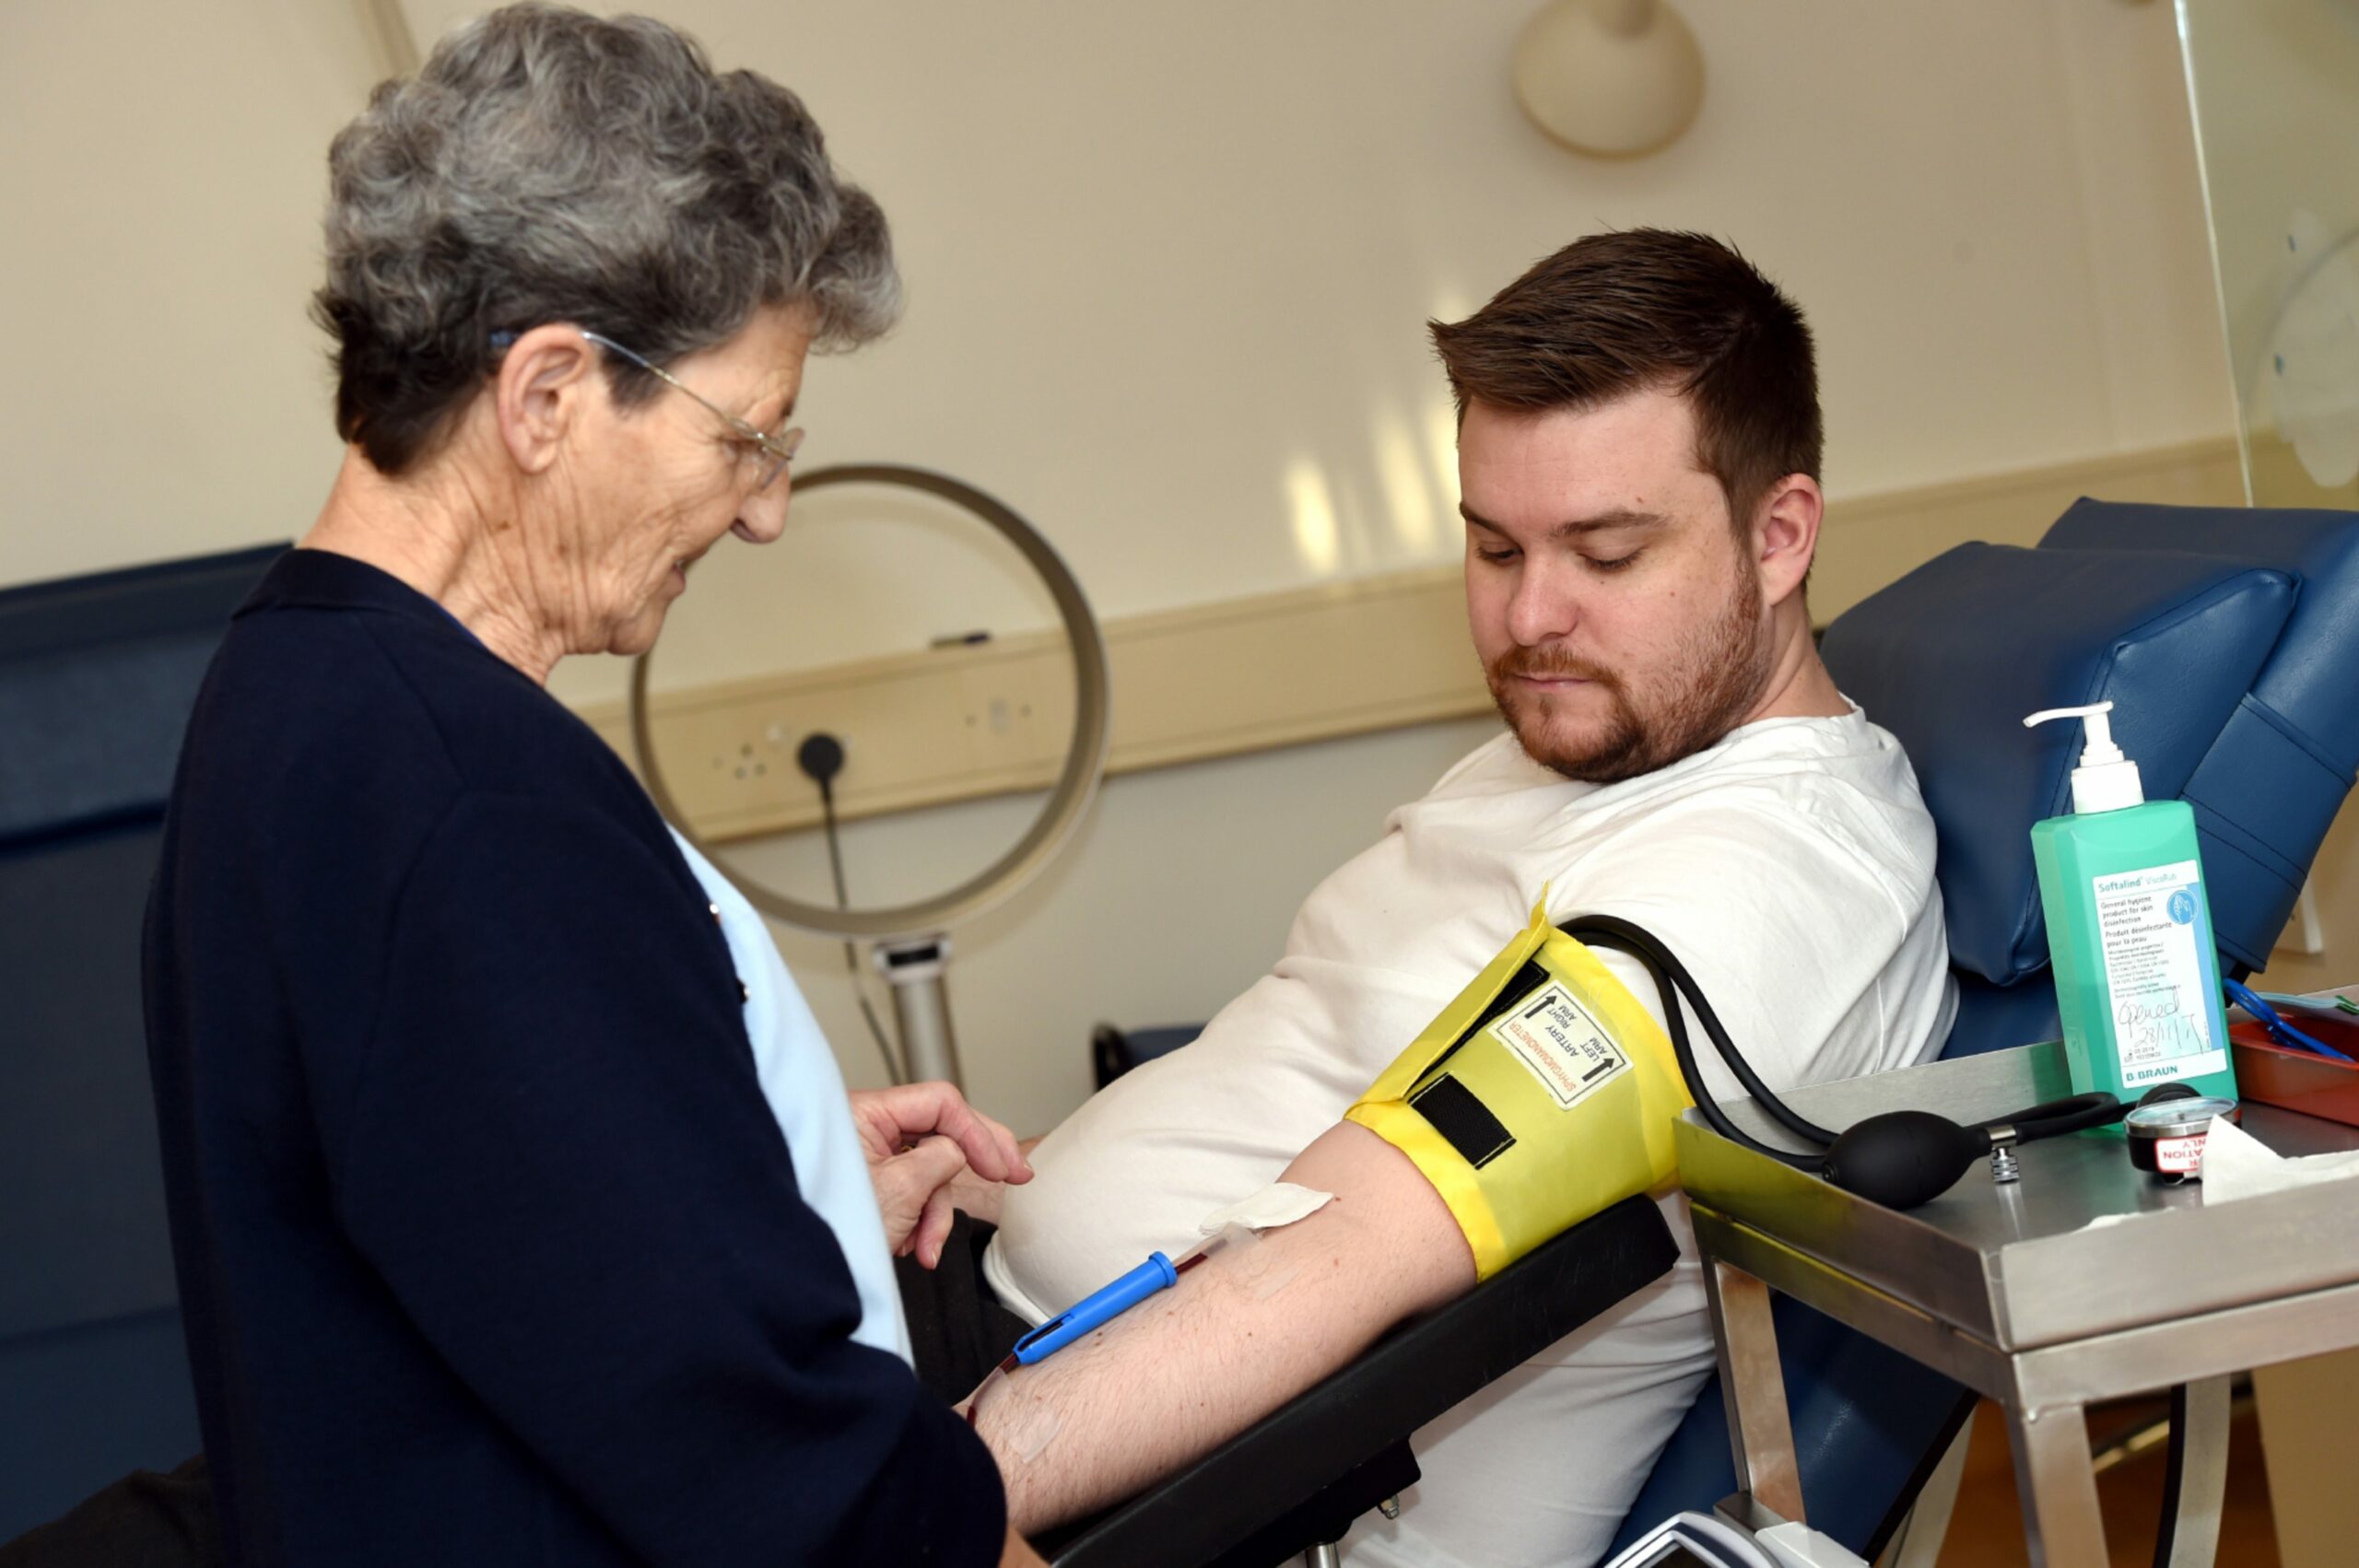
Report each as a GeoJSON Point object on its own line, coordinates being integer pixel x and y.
{"type": "Point", "coordinates": [910, 1111]}
{"type": "Point", "coordinates": [907, 1183]}
{"type": "Point", "coordinates": [934, 1226]}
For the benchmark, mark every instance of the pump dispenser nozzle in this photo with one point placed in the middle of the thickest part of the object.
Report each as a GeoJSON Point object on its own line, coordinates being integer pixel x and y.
{"type": "Point", "coordinates": [2106, 780]}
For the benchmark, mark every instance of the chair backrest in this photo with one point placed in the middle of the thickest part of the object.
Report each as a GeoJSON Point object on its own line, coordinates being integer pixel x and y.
{"type": "Point", "coordinates": [97, 678]}
{"type": "Point", "coordinates": [2269, 784]}
{"type": "Point", "coordinates": [2228, 640]}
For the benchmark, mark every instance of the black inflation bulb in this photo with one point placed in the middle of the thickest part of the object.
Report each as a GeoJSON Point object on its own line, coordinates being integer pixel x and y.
{"type": "Point", "coordinates": [1903, 1158]}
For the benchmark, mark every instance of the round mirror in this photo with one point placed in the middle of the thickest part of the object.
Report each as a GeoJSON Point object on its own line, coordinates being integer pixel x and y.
{"type": "Point", "coordinates": [909, 642]}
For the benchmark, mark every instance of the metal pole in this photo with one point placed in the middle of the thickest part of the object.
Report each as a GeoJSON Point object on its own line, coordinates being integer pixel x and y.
{"type": "Point", "coordinates": [2058, 1490]}
{"type": "Point", "coordinates": [2199, 1475]}
{"type": "Point", "coordinates": [922, 1007]}
{"type": "Point", "coordinates": [1753, 1385]}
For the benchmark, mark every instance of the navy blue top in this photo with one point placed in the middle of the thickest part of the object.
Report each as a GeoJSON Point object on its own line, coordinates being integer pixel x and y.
{"type": "Point", "coordinates": [489, 1249]}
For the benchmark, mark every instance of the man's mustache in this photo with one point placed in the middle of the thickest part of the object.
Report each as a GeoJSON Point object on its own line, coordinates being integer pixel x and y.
{"type": "Point", "coordinates": [1539, 664]}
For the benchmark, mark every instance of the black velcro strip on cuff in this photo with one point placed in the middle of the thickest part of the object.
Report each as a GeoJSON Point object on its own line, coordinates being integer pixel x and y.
{"type": "Point", "coordinates": [1464, 1122]}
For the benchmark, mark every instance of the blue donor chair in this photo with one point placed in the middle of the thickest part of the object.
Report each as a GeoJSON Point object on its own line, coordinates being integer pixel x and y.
{"type": "Point", "coordinates": [2228, 640]}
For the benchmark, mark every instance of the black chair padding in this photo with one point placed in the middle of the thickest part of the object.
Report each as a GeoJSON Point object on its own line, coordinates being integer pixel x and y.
{"type": "Point", "coordinates": [97, 677]}
{"type": "Point", "coordinates": [1251, 1488]}
{"type": "Point", "coordinates": [1326, 1516]}
{"type": "Point", "coordinates": [1114, 1051]}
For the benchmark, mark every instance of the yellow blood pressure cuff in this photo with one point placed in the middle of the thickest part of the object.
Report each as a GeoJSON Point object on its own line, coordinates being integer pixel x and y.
{"type": "Point", "coordinates": [1543, 1094]}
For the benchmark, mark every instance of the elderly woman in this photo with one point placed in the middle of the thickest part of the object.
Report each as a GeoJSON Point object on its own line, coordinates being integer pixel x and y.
{"type": "Point", "coordinates": [499, 1239]}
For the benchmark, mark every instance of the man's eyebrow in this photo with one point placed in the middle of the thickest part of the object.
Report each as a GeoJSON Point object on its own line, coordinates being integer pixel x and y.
{"type": "Point", "coordinates": [1595, 522]}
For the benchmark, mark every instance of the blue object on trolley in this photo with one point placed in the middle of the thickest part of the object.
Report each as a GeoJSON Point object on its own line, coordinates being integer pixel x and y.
{"type": "Point", "coordinates": [2327, 1006]}
{"type": "Point", "coordinates": [2284, 1034]}
{"type": "Point", "coordinates": [1097, 1308]}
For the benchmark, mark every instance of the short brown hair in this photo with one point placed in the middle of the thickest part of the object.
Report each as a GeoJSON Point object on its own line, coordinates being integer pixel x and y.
{"type": "Point", "coordinates": [1615, 313]}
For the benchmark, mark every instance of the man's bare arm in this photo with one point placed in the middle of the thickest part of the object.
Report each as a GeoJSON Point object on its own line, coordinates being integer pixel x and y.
{"type": "Point", "coordinates": [1232, 1340]}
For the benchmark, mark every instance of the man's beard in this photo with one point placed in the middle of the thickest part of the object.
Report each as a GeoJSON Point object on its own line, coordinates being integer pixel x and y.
{"type": "Point", "coordinates": [1716, 677]}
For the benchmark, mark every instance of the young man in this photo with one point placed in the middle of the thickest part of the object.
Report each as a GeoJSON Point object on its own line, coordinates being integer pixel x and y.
{"type": "Point", "coordinates": [1638, 457]}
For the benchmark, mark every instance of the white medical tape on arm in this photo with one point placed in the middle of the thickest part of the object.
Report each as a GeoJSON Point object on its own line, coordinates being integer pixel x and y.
{"type": "Point", "coordinates": [1236, 1230]}
{"type": "Point", "coordinates": [1279, 1203]}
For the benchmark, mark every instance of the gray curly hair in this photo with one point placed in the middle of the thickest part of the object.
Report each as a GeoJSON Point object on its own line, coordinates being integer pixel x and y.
{"type": "Point", "coordinates": [547, 166]}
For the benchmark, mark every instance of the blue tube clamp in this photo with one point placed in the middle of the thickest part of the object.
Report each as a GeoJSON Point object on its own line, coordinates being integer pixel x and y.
{"type": "Point", "coordinates": [1096, 1309]}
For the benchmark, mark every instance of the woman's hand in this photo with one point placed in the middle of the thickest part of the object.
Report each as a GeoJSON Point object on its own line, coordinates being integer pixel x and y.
{"type": "Point", "coordinates": [919, 1138]}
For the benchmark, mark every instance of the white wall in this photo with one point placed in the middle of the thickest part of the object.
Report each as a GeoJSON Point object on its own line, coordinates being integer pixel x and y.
{"type": "Point", "coordinates": [162, 172]}
{"type": "Point", "coordinates": [1168, 267]}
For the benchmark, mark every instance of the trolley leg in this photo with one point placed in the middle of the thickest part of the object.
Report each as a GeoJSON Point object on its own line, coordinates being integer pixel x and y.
{"type": "Point", "coordinates": [2058, 1486]}
{"type": "Point", "coordinates": [1761, 1434]}
{"type": "Point", "coordinates": [2199, 1473]}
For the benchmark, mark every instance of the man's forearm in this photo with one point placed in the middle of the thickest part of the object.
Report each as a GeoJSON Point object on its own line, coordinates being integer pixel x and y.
{"type": "Point", "coordinates": [1232, 1342]}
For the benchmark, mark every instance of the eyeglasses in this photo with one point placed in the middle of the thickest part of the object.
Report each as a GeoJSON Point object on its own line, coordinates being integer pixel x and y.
{"type": "Point", "coordinates": [776, 450]}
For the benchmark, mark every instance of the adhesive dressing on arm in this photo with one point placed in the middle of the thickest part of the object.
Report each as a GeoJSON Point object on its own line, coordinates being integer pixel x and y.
{"type": "Point", "coordinates": [1543, 1094]}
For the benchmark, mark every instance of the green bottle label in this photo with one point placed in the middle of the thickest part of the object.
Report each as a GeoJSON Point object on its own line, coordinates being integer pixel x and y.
{"type": "Point", "coordinates": [2155, 935]}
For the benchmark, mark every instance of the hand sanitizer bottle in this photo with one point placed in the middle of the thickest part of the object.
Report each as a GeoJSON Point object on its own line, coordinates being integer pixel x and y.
{"type": "Point", "coordinates": [2129, 929]}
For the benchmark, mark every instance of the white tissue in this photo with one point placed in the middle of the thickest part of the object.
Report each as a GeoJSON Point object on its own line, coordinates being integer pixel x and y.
{"type": "Point", "coordinates": [2236, 1164]}
{"type": "Point", "coordinates": [1279, 1203]}
{"type": "Point", "coordinates": [2102, 1221]}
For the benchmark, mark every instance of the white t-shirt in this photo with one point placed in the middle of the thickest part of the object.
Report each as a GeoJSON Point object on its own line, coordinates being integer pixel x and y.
{"type": "Point", "coordinates": [1791, 866]}
{"type": "Point", "coordinates": [805, 1090]}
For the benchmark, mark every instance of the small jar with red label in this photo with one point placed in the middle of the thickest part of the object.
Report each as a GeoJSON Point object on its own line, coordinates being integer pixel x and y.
{"type": "Point", "coordinates": [2166, 1137]}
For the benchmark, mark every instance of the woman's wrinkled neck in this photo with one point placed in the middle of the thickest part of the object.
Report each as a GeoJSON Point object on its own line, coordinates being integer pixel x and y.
{"type": "Point", "coordinates": [456, 536]}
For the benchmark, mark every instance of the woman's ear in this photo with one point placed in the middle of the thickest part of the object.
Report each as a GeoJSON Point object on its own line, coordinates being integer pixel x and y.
{"type": "Point", "coordinates": [541, 393]}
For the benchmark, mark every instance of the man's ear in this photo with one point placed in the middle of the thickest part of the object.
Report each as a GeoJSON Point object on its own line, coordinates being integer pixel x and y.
{"type": "Point", "coordinates": [1785, 535]}
{"type": "Point", "coordinates": [540, 396]}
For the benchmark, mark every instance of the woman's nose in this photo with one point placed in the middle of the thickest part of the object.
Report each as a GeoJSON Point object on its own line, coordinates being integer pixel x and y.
{"type": "Point", "coordinates": [762, 517]}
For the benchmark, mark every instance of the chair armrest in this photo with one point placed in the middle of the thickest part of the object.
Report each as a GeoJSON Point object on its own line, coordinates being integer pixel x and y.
{"type": "Point", "coordinates": [1406, 1379]}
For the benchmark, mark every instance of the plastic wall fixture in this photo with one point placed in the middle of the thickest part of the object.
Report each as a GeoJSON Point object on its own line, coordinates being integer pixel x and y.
{"type": "Point", "coordinates": [1612, 78]}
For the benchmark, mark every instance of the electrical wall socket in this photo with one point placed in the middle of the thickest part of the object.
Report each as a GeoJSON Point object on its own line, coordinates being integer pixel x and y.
{"type": "Point", "coordinates": [916, 728]}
